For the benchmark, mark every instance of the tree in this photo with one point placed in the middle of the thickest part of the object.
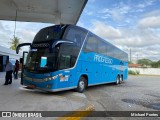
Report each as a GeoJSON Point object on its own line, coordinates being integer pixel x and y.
{"type": "Point", "coordinates": [147, 62]}
{"type": "Point", "coordinates": [144, 62]}
{"type": "Point", "coordinates": [130, 62]}
{"type": "Point", "coordinates": [15, 41]}
{"type": "Point", "coordinates": [156, 64]}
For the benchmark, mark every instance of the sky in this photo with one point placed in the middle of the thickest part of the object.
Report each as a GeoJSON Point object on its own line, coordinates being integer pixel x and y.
{"type": "Point", "coordinates": [129, 24]}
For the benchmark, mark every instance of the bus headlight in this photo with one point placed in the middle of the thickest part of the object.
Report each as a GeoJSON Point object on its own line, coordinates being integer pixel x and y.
{"type": "Point", "coordinates": [47, 79]}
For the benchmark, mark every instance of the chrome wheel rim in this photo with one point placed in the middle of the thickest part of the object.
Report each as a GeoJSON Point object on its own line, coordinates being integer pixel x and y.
{"type": "Point", "coordinates": [120, 79]}
{"type": "Point", "coordinates": [117, 80]}
{"type": "Point", "coordinates": [81, 85]}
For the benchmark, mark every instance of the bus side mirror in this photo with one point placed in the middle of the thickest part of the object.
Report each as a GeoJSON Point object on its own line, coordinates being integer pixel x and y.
{"type": "Point", "coordinates": [21, 45]}
{"type": "Point", "coordinates": [17, 50]}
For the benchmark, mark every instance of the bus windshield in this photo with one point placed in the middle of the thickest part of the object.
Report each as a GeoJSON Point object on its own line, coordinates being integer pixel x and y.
{"type": "Point", "coordinates": [49, 33]}
{"type": "Point", "coordinates": [41, 60]}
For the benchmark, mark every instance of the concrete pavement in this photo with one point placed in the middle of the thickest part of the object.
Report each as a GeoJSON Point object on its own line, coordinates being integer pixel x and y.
{"type": "Point", "coordinates": [2, 75]}
{"type": "Point", "coordinates": [16, 98]}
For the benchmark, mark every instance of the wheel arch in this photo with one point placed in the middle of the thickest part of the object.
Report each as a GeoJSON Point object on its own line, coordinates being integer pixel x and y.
{"type": "Point", "coordinates": [86, 77]}
{"type": "Point", "coordinates": [122, 77]}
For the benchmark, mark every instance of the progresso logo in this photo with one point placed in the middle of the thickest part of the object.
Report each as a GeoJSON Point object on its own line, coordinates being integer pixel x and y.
{"type": "Point", "coordinates": [102, 59]}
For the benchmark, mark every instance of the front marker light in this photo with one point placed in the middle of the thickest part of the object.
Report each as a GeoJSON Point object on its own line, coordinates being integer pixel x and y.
{"type": "Point", "coordinates": [50, 78]}
{"type": "Point", "coordinates": [47, 79]}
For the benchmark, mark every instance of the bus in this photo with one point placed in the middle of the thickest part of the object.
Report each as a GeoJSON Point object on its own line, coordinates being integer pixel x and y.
{"type": "Point", "coordinates": [63, 57]}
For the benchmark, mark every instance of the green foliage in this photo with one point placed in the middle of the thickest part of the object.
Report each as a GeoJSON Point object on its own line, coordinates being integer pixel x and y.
{"type": "Point", "coordinates": [133, 72]}
{"type": "Point", "coordinates": [15, 41]}
{"type": "Point", "coordinates": [156, 64]}
{"type": "Point", "coordinates": [130, 62]}
{"type": "Point", "coordinates": [147, 62]}
{"type": "Point", "coordinates": [144, 62]}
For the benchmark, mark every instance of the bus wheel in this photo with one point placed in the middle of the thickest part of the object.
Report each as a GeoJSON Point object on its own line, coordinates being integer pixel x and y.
{"type": "Point", "coordinates": [117, 80]}
{"type": "Point", "coordinates": [120, 79]}
{"type": "Point", "coordinates": [81, 84]}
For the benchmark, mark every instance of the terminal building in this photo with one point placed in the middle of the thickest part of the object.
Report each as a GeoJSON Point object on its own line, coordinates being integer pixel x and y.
{"type": "Point", "coordinates": [6, 53]}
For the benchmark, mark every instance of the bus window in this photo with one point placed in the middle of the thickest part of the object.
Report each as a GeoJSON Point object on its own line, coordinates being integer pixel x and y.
{"type": "Point", "coordinates": [64, 56]}
{"type": "Point", "coordinates": [75, 35]}
{"type": "Point", "coordinates": [64, 61]}
{"type": "Point", "coordinates": [102, 48]}
{"type": "Point", "coordinates": [67, 56]}
{"type": "Point", "coordinates": [91, 44]}
{"type": "Point", "coordinates": [74, 55]}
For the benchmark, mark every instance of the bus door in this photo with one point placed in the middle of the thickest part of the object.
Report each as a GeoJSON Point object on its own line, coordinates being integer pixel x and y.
{"type": "Point", "coordinates": [64, 63]}
{"type": "Point", "coordinates": [64, 74]}
{"type": "Point", "coordinates": [23, 59]}
{"type": "Point", "coordinates": [23, 62]}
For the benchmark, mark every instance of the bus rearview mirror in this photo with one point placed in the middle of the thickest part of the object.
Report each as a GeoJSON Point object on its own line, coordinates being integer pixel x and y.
{"type": "Point", "coordinates": [21, 45]}
{"type": "Point", "coordinates": [54, 44]}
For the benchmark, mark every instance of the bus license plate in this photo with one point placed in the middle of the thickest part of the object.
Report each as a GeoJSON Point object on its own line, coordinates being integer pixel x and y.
{"type": "Point", "coordinates": [31, 86]}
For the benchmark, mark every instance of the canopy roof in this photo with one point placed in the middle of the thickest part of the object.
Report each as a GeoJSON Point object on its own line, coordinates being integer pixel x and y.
{"type": "Point", "coordinates": [47, 11]}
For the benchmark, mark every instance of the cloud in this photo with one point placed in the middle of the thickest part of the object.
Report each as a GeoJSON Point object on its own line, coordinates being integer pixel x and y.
{"type": "Point", "coordinates": [25, 31]}
{"type": "Point", "coordinates": [140, 40]}
{"type": "Point", "coordinates": [148, 52]}
{"type": "Point", "coordinates": [88, 12]}
{"type": "Point", "coordinates": [4, 36]}
{"type": "Point", "coordinates": [26, 35]}
{"type": "Point", "coordinates": [104, 30]}
{"type": "Point", "coordinates": [150, 22]}
{"type": "Point", "coordinates": [145, 3]}
{"type": "Point", "coordinates": [128, 24]}
{"type": "Point", "coordinates": [132, 37]}
{"type": "Point", "coordinates": [152, 13]}
{"type": "Point", "coordinates": [117, 12]}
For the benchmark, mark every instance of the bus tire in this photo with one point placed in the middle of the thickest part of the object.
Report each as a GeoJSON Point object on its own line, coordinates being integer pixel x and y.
{"type": "Point", "coordinates": [81, 84]}
{"type": "Point", "coordinates": [120, 79]}
{"type": "Point", "coordinates": [117, 80]}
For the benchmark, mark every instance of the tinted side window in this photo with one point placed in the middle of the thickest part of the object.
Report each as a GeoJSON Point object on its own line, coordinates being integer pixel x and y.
{"type": "Point", "coordinates": [64, 57]}
{"type": "Point", "coordinates": [110, 50]}
{"type": "Point", "coordinates": [95, 44]}
{"type": "Point", "coordinates": [76, 35]}
{"type": "Point", "coordinates": [64, 61]}
{"type": "Point", "coordinates": [75, 53]}
{"type": "Point", "coordinates": [91, 44]}
{"type": "Point", "coordinates": [102, 47]}
{"type": "Point", "coordinates": [67, 56]}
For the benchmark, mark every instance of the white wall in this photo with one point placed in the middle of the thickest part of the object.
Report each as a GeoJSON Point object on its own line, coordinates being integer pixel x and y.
{"type": "Point", "coordinates": [11, 53]}
{"type": "Point", "coordinates": [147, 71]}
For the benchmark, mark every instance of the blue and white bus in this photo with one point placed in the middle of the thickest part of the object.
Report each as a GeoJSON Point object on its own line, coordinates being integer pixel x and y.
{"type": "Point", "coordinates": [63, 57]}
